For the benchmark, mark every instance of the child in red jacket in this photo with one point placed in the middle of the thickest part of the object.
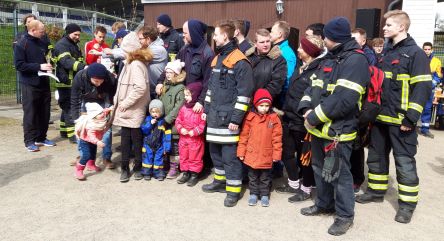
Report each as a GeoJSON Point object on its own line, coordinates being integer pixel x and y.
{"type": "Point", "coordinates": [89, 130]}
{"type": "Point", "coordinates": [260, 145]}
{"type": "Point", "coordinates": [190, 126]}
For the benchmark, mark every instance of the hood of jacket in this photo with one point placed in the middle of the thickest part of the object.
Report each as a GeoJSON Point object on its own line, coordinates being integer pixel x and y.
{"type": "Point", "coordinates": [158, 50]}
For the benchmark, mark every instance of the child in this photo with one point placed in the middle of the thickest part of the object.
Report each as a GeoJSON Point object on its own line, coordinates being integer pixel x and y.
{"type": "Point", "coordinates": [156, 142]}
{"type": "Point", "coordinates": [191, 143]}
{"type": "Point", "coordinates": [260, 145]}
{"type": "Point", "coordinates": [172, 99]}
{"type": "Point", "coordinates": [90, 129]}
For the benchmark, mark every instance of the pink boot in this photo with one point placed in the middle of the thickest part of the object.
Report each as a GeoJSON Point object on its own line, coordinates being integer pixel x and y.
{"type": "Point", "coordinates": [79, 172]}
{"type": "Point", "coordinates": [91, 165]}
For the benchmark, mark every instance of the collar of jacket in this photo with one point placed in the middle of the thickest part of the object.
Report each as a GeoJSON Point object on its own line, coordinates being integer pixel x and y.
{"type": "Point", "coordinates": [197, 50]}
{"type": "Point", "coordinates": [345, 47]}
{"type": "Point", "coordinates": [70, 40]}
{"type": "Point", "coordinates": [30, 37]}
{"type": "Point", "coordinates": [409, 41]}
{"type": "Point", "coordinates": [283, 43]}
{"type": "Point", "coordinates": [180, 78]}
{"type": "Point", "coordinates": [227, 48]}
{"type": "Point", "coordinates": [274, 52]}
{"type": "Point", "coordinates": [313, 64]}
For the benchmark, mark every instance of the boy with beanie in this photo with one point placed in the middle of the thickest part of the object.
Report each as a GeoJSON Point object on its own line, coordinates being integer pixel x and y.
{"type": "Point", "coordinates": [191, 126]}
{"type": "Point", "coordinates": [156, 142]}
{"type": "Point", "coordinates": [260, 145]}
{"type": "Point", "coordinates": [172, 98]}
{"type": "Point", "coordinates": [330, 116]}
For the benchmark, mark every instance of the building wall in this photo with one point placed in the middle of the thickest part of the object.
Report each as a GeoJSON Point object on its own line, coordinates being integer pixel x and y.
{"type": "Point", "coordinates": [262, 13]}
{"type": "Point", "coordinates": [422, 17]}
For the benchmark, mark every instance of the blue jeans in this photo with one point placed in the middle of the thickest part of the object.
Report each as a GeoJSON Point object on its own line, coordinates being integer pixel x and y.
{"type": "Point", "coordinates": [87, 151]}
{"type": "Point", "coordinates": [107, 139]}
{"type": "Point", "coordinates": [426, 115]}
{"type": "Point", "coordinates": [338, 194]}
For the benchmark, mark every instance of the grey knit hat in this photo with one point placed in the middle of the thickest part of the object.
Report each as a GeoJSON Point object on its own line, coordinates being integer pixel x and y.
{"type": "Point", "coordinates": [156, 103]}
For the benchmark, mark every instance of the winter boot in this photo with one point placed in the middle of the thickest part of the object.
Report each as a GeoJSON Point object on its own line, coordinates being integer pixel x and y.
{"type": "Point", "coordinates": [79, 172]}
{"type": "Point", "coordinates": [185, 177]}
{"type": "Point", "coordinates": [214, 187]}
{"type": "Point", "coordinates": [403, 215]}
{"type": "Point", "coordinates": [193, 179]}
{"type": "Point", "coordinates": [125, 172]}
{"type": "Point", "coordinates": [174, 167]}
{"type": "Point", "coordinates": [91, 166]}
{"type": "Point", "coordinates": [230, 201]}
{"type": "Point", "coordinates": [340, 226]}
{"type": "Point", "coordinates": [368, 198]}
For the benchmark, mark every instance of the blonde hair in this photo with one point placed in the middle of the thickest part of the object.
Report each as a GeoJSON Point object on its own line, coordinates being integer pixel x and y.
{"type": "Point", "coordinates": [117, 26]}
{"type": "Point", "coordinates": [284, 27]}
{"type": "Point", "coordinates": [400, 17]}
{"type": "Point", "coordinates": [143, 55]}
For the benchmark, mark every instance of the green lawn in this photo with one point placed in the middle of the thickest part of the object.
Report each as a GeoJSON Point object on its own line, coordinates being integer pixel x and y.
{"type": "Point", "coordinates": [7, 70]}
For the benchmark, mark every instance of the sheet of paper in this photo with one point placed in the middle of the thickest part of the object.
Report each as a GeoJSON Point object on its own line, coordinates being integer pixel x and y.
{"type": "Point", "coordinates": [50, 75]}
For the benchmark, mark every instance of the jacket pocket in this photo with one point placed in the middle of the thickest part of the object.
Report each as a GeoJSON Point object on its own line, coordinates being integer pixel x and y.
{"type": "Point", "coordinates": [268, 153]}
{"type": "Point", "coordinates": [196, 68]}
{"type": "Point", "coordinates": [223, 118]}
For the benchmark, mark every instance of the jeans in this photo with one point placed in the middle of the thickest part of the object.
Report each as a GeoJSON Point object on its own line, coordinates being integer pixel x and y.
{"type": "Point", "coordinates": [87, 151]}
{"type": "Point", "coordinates": [338, 194]}
{"type": "Point", "coordinates": [107, 139]}
{"type": "Point", "coordinates": [426, 115]}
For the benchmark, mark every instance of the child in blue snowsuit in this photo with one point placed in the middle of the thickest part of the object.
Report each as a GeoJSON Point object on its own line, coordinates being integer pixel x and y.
{"type": "Point", "coordinates": [156, 142]}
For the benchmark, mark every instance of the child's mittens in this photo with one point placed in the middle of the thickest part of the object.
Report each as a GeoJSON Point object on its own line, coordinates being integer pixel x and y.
{"type": "Point", "coordinates": [153, 121]}
{"type": "Point", "coordinates": [183, 131]}
{"type": "Point", "coordinates": [191, 133]}
{"type": "Point", "coordinates": [330, 170]}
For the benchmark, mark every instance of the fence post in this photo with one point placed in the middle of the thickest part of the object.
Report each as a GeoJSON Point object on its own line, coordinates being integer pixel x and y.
{"type": "Point", "coordinates": [65, 17]}
{"type": "Point", "coordinates": [18, 95]}
{"type": "Point", "coordinates": [35, 10]}
{"type": "Point", "coordinates": [94, 22]}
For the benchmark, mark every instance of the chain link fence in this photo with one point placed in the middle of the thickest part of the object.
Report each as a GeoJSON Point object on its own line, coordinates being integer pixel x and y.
{"type": "Point", "coordinates": [55, 19]}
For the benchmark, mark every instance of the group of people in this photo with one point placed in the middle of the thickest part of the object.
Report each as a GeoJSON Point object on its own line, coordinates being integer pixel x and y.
{"type": "Point", "coordinates": [248, 104]}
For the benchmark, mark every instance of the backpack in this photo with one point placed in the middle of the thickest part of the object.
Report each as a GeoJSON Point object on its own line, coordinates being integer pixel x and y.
{"type": "Point", "coordinates": [371, 101]}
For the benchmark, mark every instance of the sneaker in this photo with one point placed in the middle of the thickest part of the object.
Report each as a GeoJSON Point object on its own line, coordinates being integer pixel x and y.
{"type": "Point", "coordinates": [427, 134]}
{"type": "Point", "coordinates": [46, 142]}
{"type": "Point", "coordinates": [299, 196]}
{"type": "Point", "coordinates": [137, 175]}
{"type": "Point", "coordinates": [316, 211]}
{"type": "Point", "coordinates": [252, 200]}
{"type": "Point", "coordinates": [286, 189]}
{"type": "Point", "coordinates": [147, 177]}
{"type": "Point", "coordinates": [32, 148]}
{"type": "Point", "coordinates": [125, 176]}
{"type": "Point", "coordinates": [265, 201]}
{"type": "Point", "coordinates": [340, 226]}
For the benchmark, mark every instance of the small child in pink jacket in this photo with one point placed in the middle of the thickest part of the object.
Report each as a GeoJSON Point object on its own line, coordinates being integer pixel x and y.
{"type": "Point", "coordinates": [190, 126]}
{"type": "Point", "coordinates": [89, 130]}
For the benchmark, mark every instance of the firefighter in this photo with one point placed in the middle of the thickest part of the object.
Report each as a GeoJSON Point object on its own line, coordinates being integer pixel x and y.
{"type": "Point", "coordinates": [330, 107]}
{"type": "Point", "coordinates": [227, 99]}
{"type": "Point", "coordinates": [68, 60]}
{"type": "Point", "coordinates": [406, 88]}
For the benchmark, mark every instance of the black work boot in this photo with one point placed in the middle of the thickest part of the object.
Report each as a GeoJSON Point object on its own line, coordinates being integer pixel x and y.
{"type": "Point", "coordinates": [299, 196]}
{"type": "Point", "coordinates": [193, 179]}
{"type": "Point", "coordinates": [125, 173]}
{"type": "Point", "coordinates": [230, 201]}
{"type": "Point", "coordinates": [184, 178]}
{"type": "Point", "coordinates": [316, 211]}
{"type": "Point", "coordinates": [368, 198]}
{"type": "Point", "coordinates": [214, 187]}
{"type": "Point", "coordinates": [403, 215]}
{"type": "Point", "coordinates": [340, 226]}
{"type": "Point", "coordinates": [137, 175]}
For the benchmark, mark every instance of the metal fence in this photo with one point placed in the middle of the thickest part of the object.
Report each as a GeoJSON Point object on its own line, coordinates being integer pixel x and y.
{"type": "Point", "coordinates": [54, 17]}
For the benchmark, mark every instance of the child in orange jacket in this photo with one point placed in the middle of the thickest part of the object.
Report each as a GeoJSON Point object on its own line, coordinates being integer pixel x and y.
{"type": "Point", "coordinates": [260, 145]}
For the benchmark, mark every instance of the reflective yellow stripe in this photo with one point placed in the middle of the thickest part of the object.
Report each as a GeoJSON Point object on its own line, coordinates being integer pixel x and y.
{"type": "Point", "coordinates": [420, 78]}
{"type": "Point", "coordinates": [75, 66]}
{"type": "Point", "coordinates": [318, 83]}
{"type": "Point", "coordinates": [405, 94]}
{"type": "Point", "coordinates": [388, 75]}
{"type": "Point", "coordinates": [227, 139]}
{"type": "Point", "coordinates": [60, 56]}
{"type": "Point", "coordinates": [320, 114]}
{"type": "Point", "coordinates": [207, 98]}
{"type": "Point", "coordinates": [233, 189]}
{"type": "Point", "coordinates": [331, 87]}
{"type": "Point", "coordinates": [241, 107]}
{"type": "Point", "coordinates": [143, 149]}
{"type": "Point", "coordinates": [412, 199]}
{"type": "Point", "coordinates": [161, 128]}
{"type": "Point", "coordinates": [343, 137]}
{"type": "Point", "coordinates": [403, 77]}
{"type": "Point", "coordinates": [219, 177]}
{"type": "Point", "coordinates": [351, 85]}
{"type": "Point", "coordinates": [416, 107]}
{"type": "Point", "coordinates": [408, 188]}
{"type": "Point", "coordinates": [378, 186]}
{"type": "Point", "coordinates": [168, 132]}
{"type": "Point", "coordinates": [378, 177]}
{"type": "Point", "coordinates": [389, 119]}
{"type": "Point", "coordinates": [306, 98]}
{"type": "Point", "coordinates": [146, 165]}
{"type": "Point", "coordinates": [157, 167]}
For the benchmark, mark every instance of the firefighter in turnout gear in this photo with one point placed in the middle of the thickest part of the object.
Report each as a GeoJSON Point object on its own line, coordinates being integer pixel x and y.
{"type": "Point", "coordinates": [406, 88]}
{"type": "Point", "coordinates": [68, 60]}
{"type": "Point", "coordinates": [226, 103]}
{"type": "Point", "coordinates": [330, 107]}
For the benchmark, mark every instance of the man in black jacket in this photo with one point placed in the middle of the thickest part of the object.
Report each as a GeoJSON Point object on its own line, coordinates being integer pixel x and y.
{"type": "Point", "coordinates": [269, 67]}
{"type": "Point", "coordinates": [94, 84]}
{"type": "Point", "coordinates": [69, 61]}
{"type": "Point", "coordinates": [172, 41]}
{"type": "Point", "coordinates": [30, 58]}
{"type": "Point", "coordinates": [406, 88]}
{"type": "Point", "coordinates": [330, 107]}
